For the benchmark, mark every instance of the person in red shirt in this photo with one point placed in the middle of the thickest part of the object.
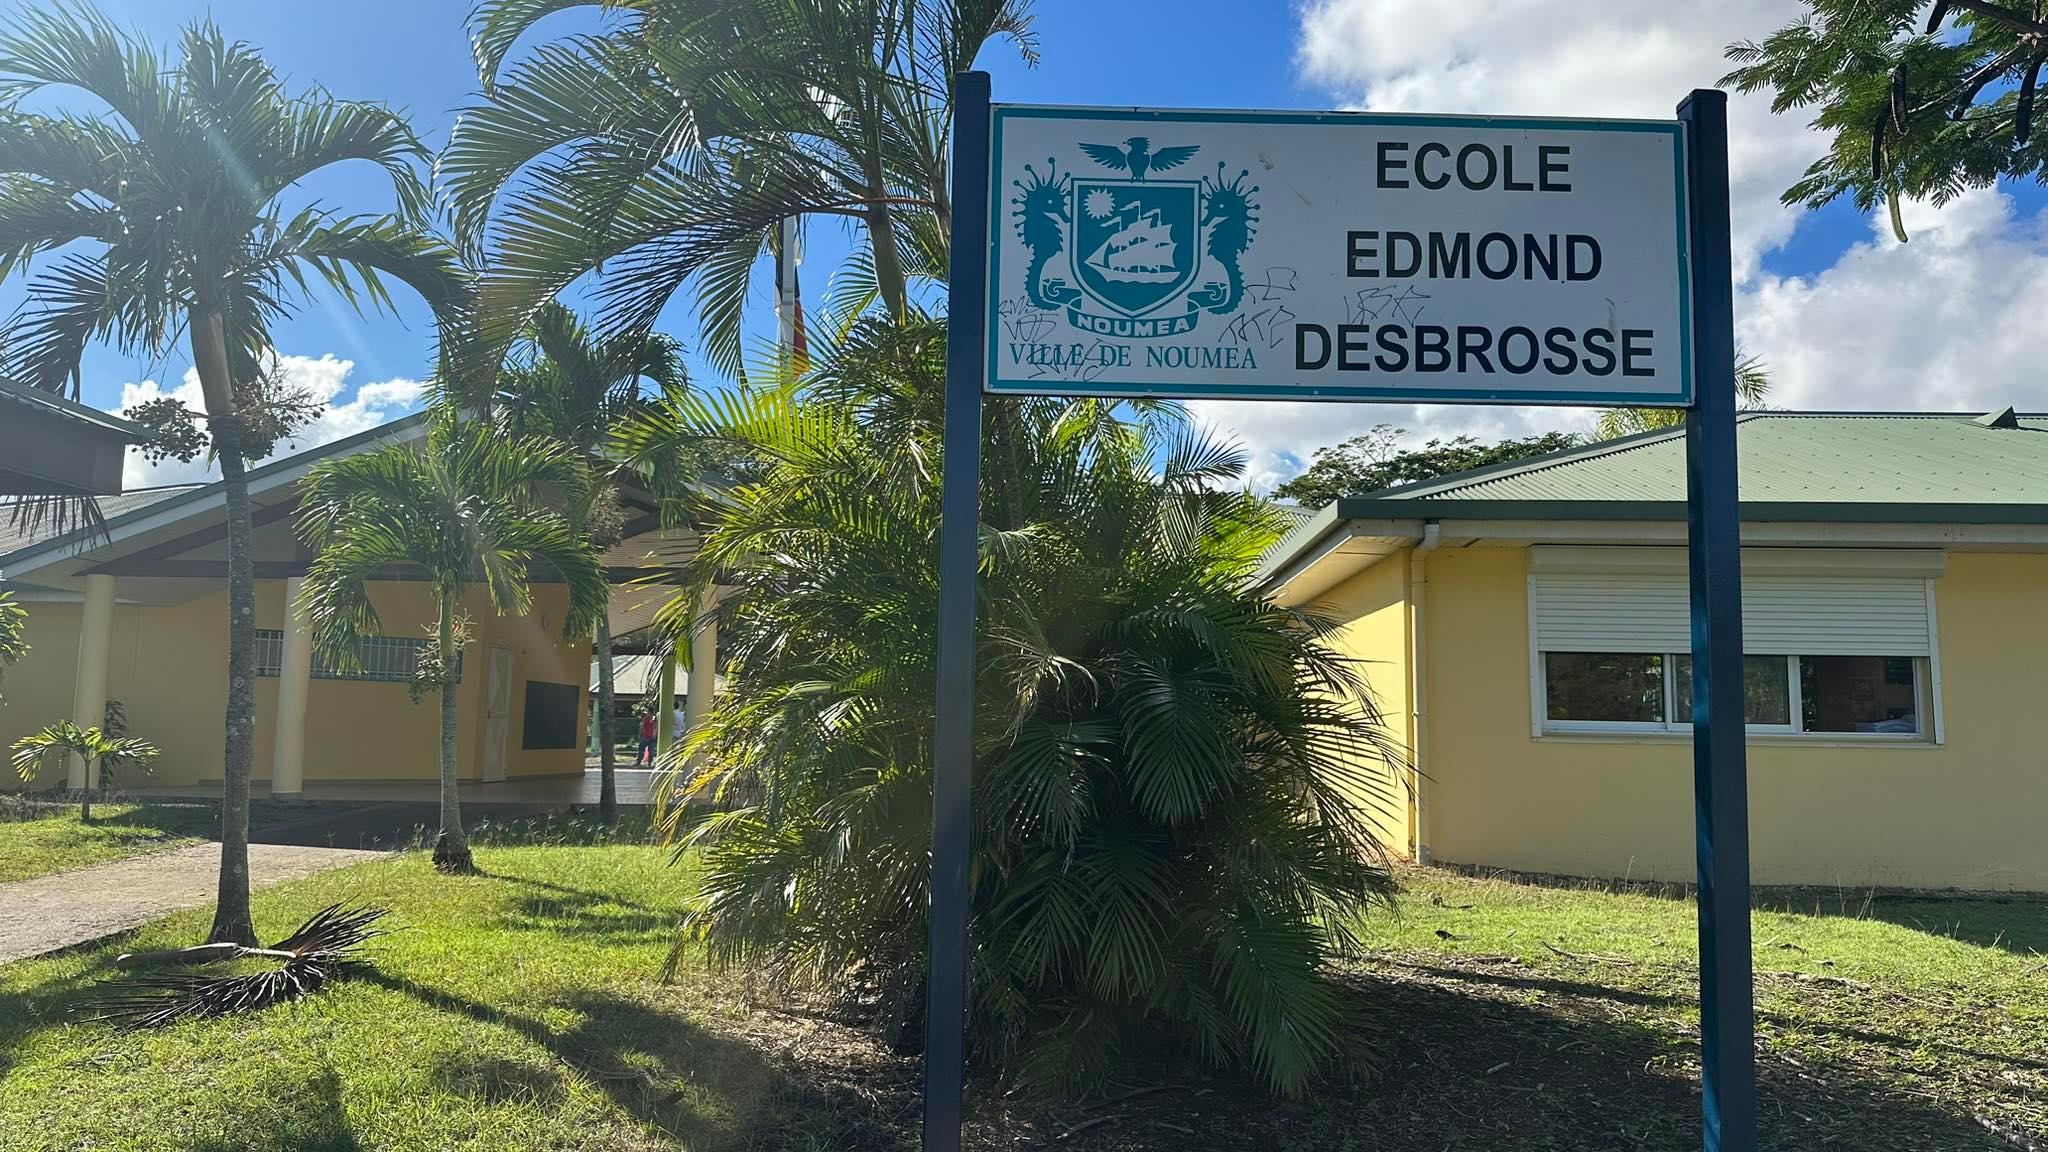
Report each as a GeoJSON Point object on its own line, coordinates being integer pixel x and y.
{"type": "Point", "coordinates": [646, 753]}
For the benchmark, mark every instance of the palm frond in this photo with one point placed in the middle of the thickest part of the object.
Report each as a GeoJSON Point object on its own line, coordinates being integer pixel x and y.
{"type": "Point", "coordinates": [319, 951]}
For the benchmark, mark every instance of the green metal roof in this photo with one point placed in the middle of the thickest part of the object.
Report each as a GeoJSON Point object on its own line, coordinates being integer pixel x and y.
{"type": "Point", "coordinates": [70, 410]}
{"type": "Point", "coordinates": [1786, 457]}
{"type": "Point", "coordinates": [17, 533]}
{"type": "Point", "coordinates": [1295, 514]}
{"type": "Point", "coordinates": [119, 511]}
{"type": "Point", "coordinates": [1796, 467]}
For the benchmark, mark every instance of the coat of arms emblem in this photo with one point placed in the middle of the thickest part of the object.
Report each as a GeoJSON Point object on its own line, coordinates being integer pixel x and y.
{"type": "Point", "coordinates": [1151, 255]}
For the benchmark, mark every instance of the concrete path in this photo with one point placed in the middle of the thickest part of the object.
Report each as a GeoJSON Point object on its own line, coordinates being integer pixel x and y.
{"type": "Point", "coordinates": [52, 912]}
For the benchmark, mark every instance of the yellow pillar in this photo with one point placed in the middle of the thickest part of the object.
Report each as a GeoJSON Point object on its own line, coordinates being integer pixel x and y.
{"type": "Point", "coordinates": [703, 662]}
{"type": "Point", "coordinates": [89, 692]}
{"type": "Point", "coordinates": [664, 723]}
{"type": "Point", "coordinates": [294, 684]}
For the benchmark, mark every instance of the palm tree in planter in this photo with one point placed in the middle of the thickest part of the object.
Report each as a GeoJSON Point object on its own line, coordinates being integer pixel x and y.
{"type": "Point", "coordinates": [160, 207]}
{"type": "Point", "coordinates": [569, 383]}
{"type": "Point", "coordinates": [94, 745]}
{"type": "Point", "coordinates": [474, 506]}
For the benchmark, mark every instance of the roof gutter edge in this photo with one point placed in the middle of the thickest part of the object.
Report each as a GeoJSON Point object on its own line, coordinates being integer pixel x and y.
{"type": "Point", "coordinates": [1356, 508]}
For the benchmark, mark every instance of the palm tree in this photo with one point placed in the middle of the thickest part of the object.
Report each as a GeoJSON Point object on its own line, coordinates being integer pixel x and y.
{"type": "Point", "coordinates": [671, 147]}
{"type": "Point", "coordinates": [165, 204]}
{"type": "Point", "coordinates": [567, 383]}
{"type": "Point", "coordinates": [474, 506]}
{"type": "Point", "coordinates": [1169, 768]}
{"type": "Point", "coordinates": [1752, 384]}
{"type": "Point", "coordinates": [93, 745]}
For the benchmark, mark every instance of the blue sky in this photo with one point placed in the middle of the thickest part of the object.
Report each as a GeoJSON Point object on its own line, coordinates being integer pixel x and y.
{"type": "Point", "coordinates": [1844, 316]}
{"type": "Point", "coordinates": [414, 55]}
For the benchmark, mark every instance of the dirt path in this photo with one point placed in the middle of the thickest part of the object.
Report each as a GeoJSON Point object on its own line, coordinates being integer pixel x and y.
{"type": "Point", "coordinates": [52, 912]}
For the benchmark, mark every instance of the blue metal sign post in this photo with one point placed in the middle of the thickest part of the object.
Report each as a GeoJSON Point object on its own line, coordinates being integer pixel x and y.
{"type": "Point", "coordinates": [1713, 544]}
{"type": "Point", "coordinates": [1702, 363]}
{"type": "Point", "coordinates": [946, 969]}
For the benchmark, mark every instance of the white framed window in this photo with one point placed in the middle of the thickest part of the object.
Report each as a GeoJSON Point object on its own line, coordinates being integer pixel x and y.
{"type": "Point", "coordinates": [1841, 642]}
{"type": "Point", "coordinates": [1875, 697]}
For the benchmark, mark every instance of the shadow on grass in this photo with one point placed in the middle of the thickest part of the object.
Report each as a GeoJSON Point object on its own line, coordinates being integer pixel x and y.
{"type": "Point", "coordinates": [2016, 924]}
{"type": "Point", "coordinates": [706, 1090]}
{"type": "Point", "coordinates": [24, 1012]}
{"type": "Point", "coordinates": [1491, 1062]}
{"type": "Point", "coordinates": [570, 895]}
{"type": "Point", "coordinates": [1462, 1057]}
{"type": "Point", "coordinates": [565, 910]}
{"type": "Point", "coordinates": [142, 821]}
{"type": "Point", "coordinates": [568, 918]}
{"type": "Point", "coordinates": [1577, 1076]}
{"type": "Point", "coordinates": [317, 1120]}
{"type": "Point", "coordinates": [1685, 1002]}
{"type": "Point", "coordinates": [1476, 1061]}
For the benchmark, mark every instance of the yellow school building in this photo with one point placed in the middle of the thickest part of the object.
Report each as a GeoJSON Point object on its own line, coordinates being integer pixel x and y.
{"type": "Point", "coordinates": [137, 613]}
{"type": "Point", "coordinates": [1525, 633]}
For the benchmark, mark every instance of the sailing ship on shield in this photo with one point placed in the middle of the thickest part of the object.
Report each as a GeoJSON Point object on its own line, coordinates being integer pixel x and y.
{"type": "Point", "coordinates": [1136, 245]}
{"type": "Point", "coordinates": [1141, 251]}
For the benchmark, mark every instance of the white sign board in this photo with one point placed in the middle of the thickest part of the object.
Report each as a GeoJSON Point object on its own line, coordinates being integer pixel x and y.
{"type": "Point", "coordinates": [1338, 256]}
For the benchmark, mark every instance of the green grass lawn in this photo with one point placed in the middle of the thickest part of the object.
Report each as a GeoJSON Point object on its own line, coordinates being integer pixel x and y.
{"type": "Point", "coordinates": [36, 840]}
{"type": "Point", "coordinates": [522, 1010]}
{"type": "Point", "coordinates": [1513, 1016]}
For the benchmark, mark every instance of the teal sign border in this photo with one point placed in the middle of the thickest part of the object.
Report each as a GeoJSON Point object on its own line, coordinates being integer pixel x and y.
{"type": "Point", "coordinates": [995, 383]}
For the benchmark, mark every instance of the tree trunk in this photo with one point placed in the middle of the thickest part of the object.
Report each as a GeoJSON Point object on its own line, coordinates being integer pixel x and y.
{"type": "Point", "coordinates": [231, 921]}
{"type": "Point", "coordinates": [889, 275]}
{"type": "Point", "coordinates": [451, 847]}
{"type": "Point", "coordinates": [607, 758]}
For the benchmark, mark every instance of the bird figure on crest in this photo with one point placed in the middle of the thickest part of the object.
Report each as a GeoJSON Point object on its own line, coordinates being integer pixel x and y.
{"type": "Point", "coordinates": [1141, 158]}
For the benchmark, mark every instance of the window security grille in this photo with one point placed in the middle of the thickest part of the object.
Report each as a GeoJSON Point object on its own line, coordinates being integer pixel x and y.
{"type": "Point", "coordinates": [387, 659]}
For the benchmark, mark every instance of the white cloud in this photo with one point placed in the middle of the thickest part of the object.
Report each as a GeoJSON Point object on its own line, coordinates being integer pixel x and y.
{"type": "Point", "coordinates": [324, 379]}
{"type": "Point", "coordinates": [1634, 58]}
{"type": "Point", "coordinates": [400, 392]}
{"type": "Point", "coordinates": [1950, 321]}
{"type": "Point", "coordinates": [1946, 322]}
{"type": "Point", "coordinates": [1281, 435]}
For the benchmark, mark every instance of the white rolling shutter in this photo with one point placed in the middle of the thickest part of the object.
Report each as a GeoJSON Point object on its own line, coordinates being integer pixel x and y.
{"type": "Point", "coordinates": [1795, 602]}
{"type": "Point", "coordinates": [1610, 612]}
{"type": "Point", "coordinates": [1829, 616]}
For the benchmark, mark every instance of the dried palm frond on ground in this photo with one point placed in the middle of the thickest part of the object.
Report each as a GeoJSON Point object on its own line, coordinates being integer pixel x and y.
{"type": "Point", "coordinates": [322, 948]}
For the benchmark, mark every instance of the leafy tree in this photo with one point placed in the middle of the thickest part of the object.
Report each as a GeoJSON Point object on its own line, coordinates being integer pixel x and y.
{"type": "Point", "coordinates": [566, 382]}
{"type": "Point", "coordinates": [1372, 461]}
{"type": "Point", "coordinates": [1752, 384]}
{"type": "Point", "coordinates": [669, 147]}
{"type": "Point", "coordinates": [1168, 767]}
{"type": "Point", "coordinates": [90, 744]}
{"type": "Point", "coordinates": [1922, 98]}
{"type": "Point", "coordinates": [162, 209]}
{"type": "Point", "coordinates": [473, 506]}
